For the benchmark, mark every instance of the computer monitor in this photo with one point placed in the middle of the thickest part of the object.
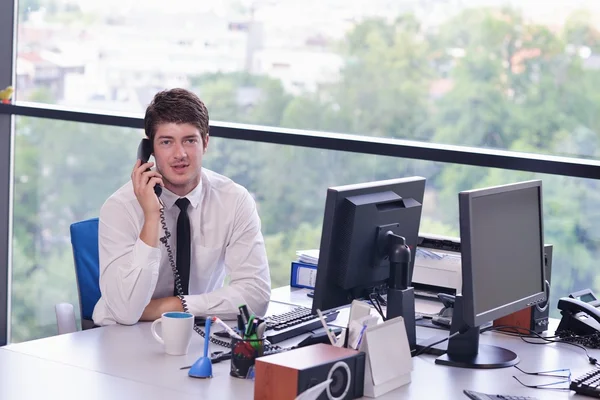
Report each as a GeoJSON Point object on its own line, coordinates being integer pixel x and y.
{"type": "Point", "coordinates": [502, 251]}
{"type": "Point", "coordinates": [363, 226]}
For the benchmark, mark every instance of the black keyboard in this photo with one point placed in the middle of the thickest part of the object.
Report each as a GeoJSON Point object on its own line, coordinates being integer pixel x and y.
{"type": "Point", "coordinates": [587, 384]}
{"type": "Point", "coordinates": [484, 396]}
{"type": "Point", "coordinates": [293, 323]}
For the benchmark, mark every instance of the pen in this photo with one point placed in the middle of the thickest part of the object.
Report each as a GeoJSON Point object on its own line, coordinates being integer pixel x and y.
{"type": "Point", "coordinates": [227, 328]}
{"type": "Point", "coordinates": [329, 334]}
{"type": "Point", "coordinates": [240, 323]}
{"type": "Point", "coordinates": [360, 336]}
{"type": "Point", "coordinates": [244, 312]}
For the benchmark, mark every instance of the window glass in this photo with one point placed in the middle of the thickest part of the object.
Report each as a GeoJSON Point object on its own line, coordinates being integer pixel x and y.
{"type": "Point", "coordinates": [502, 74]}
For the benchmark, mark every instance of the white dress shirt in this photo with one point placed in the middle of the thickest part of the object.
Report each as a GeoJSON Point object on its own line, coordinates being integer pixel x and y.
{"type": "Point", "coordinates": [226, 240]}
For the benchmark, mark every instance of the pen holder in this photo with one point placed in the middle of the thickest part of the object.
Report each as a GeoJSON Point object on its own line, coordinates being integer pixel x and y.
{"type": "Point", "coordinates": [243, 356]}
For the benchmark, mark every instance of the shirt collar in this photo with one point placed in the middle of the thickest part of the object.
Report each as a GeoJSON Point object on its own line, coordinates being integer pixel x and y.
{"type": "Point", "coordinates": [195, 196]}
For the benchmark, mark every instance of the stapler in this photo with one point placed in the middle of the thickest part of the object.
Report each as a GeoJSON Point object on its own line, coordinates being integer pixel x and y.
{"type": "Point", "coordinates": [319, 336]}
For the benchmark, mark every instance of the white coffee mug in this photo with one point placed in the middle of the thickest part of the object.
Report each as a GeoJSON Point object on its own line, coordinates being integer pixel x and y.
{"type": "Point", "coordinates": [177, 329]}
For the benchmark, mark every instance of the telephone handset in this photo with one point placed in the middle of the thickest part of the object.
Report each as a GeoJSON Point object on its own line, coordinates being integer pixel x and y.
{"type": "Point", "coordinates": [578, 317]}
{"type": "Point", "coordinates": [144, 152]}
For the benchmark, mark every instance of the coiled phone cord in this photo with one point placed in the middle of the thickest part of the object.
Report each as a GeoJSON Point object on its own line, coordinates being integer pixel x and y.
{"type": "Point", "coordinates": [179, 287]}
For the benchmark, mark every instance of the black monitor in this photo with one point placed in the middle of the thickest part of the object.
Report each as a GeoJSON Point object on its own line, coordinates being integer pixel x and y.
{"type": "Point", "coordinates": [364, 226]}
{"type": "Point", "coordinates": [502, 247]}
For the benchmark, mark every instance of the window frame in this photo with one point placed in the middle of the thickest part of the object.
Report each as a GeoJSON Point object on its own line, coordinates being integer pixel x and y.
{"type": "Point", "coordinates": [8, 35]}
{"type": "Point", "coordinates": [453, 154]}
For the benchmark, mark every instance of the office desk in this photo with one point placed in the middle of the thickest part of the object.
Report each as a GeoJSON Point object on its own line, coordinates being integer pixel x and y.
{"type": "Point", "coordinates": [29, 377]}
{"type": "Point", "coordinates": [119, 360]}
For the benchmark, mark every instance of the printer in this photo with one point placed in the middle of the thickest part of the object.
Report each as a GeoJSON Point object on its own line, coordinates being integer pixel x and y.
{"type": "Point", "coordinates": [437, 264]}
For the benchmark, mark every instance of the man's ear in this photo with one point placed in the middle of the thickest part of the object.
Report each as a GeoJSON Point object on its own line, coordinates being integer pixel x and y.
{"type": "Point", "coordinates": [205, 142]}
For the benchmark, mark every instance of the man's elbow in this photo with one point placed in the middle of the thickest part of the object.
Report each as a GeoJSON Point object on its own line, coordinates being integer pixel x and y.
{"type": "Point", "coordinates": [122, 316]}
{"type": "Point", "coordinates": [127, 319]}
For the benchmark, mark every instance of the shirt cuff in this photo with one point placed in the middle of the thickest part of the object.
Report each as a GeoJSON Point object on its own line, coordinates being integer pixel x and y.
{"type": "Point", "coordinates": [197, 304]}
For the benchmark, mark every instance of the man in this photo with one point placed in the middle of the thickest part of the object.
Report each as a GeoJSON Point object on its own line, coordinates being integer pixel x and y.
{"type": "Point", "coordinates": [218, 217]}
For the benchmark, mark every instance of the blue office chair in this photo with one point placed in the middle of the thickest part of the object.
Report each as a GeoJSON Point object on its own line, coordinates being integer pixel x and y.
{"type": "Point", "coordinates": [84, 240]}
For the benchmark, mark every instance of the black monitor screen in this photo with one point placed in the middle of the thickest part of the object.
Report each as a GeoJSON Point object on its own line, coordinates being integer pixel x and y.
{"type": "Point", "coordinates": [352, 258]}
{"type": "Point", "coordinates": [505, 256]}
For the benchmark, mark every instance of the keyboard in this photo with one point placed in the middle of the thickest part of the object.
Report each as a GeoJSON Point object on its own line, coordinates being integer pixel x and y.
{"type": "Point", "coordinates": [484, 396]}
{"type": "Point", "coordinates": [300, 320]}
{"type": "Point", "coordinates": [587, 384]}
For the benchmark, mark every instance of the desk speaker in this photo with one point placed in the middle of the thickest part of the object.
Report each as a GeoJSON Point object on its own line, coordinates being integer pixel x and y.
{"type": "Point", "coordinates": [285, 375]}
{"type": "Point", "coordinates": [534, 318]}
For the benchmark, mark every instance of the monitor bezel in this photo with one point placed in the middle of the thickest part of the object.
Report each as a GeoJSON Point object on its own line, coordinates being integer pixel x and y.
{"type": "Point", "coordinates": [465, 199]}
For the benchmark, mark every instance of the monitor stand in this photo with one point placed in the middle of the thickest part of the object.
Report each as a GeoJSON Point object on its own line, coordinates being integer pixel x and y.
{"type": "Point", "coordinates": [400, 295]}
{"type": "Point", "coordinates": [401, 303]}
{"type": "Point", "coordinates": [465, 351]}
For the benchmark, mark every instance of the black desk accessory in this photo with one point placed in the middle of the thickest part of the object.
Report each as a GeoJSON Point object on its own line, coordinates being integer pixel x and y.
{"type": "Point", "coordinates": [318, 337]}
{"type": "Point", "coordinates": [401, 296]}
{"type": "Point", "coordinates": [578, 317]}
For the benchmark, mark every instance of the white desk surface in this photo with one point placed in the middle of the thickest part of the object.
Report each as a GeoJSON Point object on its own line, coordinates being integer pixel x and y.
{"type": "Point", "coordinates": [126, 362]}
{"type": "Point", "coordinates": [29, 377]}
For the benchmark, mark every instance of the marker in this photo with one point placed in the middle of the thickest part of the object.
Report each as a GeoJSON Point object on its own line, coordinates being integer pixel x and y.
{"type": "Point", "coordinates": [227, 328]}
{"type": "Point", "coordinates": [245, 312]}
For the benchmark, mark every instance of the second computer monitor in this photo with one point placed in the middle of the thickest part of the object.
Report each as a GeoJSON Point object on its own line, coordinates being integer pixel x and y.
{"type": "Point", "coordinates": [352, 257]}
{"type": "Point", "coordinates": [502, 248]}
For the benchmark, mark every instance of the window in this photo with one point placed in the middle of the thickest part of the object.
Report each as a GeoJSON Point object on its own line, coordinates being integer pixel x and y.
{"type": "Point", "coordinates": [64, 172]}
{"type": "Point", "coordinates": [503, 74]}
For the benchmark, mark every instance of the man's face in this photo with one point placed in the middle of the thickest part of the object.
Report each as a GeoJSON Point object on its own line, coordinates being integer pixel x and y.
{"type": "Point", "coordinates": [178, 150]}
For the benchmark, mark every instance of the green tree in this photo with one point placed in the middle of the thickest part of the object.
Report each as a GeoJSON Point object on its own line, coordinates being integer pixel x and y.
{"type": "Point", "coordinates": [64, 171]}
{"type": "Point", "coordinates": [579, 31]}
{"type": "Point", "coordinates": [383, 90]}
{"type": "Point", "coordinates": [517, 86]}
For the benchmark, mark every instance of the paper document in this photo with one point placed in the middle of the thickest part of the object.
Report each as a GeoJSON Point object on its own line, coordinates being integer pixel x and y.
{"type": "Point", "coordinates": [308, 256]}
{"type": "Point", "coordinates": [438, 255]}
{"type": "Point", "coordinates": [306, 277]}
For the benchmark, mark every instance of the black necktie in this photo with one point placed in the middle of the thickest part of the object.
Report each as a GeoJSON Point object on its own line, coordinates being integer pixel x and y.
{"type": "Point", "coordinates": [183, 245]}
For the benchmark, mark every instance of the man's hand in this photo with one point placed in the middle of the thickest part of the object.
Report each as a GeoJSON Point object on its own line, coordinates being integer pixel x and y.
{"type": "Point", "coordinates": [143, 187]}
{"type": "Point", "coordinates": [155, 309]}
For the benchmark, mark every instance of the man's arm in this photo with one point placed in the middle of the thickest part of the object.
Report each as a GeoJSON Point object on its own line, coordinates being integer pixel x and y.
{"type": "Point", "coordinates": [247, 266]}
{"type": "Point", "coordinates": [129, 255]}
{"type": "Point", "coordinates": [128, 267]}
{"type": "Point", "coordinates": [155, 309]}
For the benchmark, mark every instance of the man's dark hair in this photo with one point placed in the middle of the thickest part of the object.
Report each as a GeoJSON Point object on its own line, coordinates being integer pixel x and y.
{"type": "Point", "coordinates": [178, 106]}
